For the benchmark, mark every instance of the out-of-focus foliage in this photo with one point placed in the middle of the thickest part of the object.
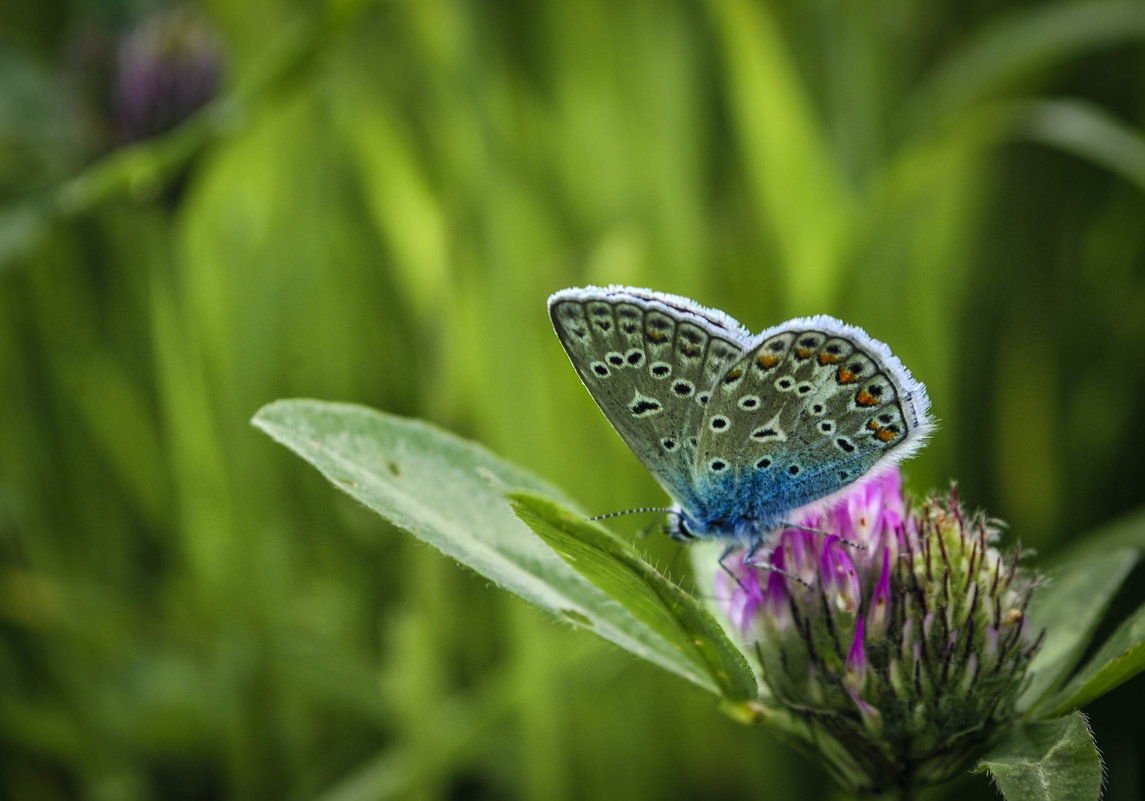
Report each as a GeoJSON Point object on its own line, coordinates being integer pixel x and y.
{"type": "Point", "coordinates": [375, 210]}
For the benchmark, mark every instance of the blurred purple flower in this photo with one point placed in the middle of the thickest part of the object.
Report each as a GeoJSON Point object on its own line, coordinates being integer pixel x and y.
{"type": "Point", "coordinates": [169, 66]}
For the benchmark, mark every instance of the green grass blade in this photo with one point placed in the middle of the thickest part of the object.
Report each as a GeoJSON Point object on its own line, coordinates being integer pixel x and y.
{"type": "Point", "coordinates": [1015, 47]}
{"type": "Point", "coordinates": [791, 169]}
{"type": "Point", "coordinates": [1089, 132]}
{"type": "Point", "coordinates": [614, 566]}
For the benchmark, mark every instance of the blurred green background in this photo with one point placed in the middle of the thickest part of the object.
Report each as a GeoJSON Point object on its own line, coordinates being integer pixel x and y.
{"type": "Point", "coordinates": [374, 209]}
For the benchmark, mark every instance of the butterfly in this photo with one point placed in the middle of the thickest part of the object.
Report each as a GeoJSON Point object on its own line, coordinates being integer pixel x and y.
{"type": "Point", "coordinates": [740, 430]}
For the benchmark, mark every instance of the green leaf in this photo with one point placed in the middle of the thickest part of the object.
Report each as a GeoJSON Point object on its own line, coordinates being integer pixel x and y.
{"type": "Point", "coordinates": [449, 493]}
{"type": "Point", "coordinates": [1049, 760]}
{"type": "Point", "coordinates": [1069, 604]}
{"type": "Point", "coordinates": [1120, 659]}
{"type": "Point", "coordinates": [614, 566]}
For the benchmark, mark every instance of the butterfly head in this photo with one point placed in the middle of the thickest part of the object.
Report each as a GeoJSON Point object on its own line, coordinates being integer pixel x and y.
{"type": "Point", "coordinates": [683, 527]}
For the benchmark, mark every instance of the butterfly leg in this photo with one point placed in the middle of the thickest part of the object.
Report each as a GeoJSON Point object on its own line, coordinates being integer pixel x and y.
{"type": "Point", "coordinates": [749, 560]}
{"type": "Point", "coordinates": [724, 566]}
{"type": "Point", "coordinates": [858, 546]}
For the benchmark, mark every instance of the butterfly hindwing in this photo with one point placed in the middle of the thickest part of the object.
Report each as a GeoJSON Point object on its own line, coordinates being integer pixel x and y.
{"type": "Point", "coordinates": [812, 407]}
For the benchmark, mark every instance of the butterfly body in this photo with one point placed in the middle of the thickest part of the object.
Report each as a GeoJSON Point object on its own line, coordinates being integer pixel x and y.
{"type": "Point", "coordinates": [741, 430]}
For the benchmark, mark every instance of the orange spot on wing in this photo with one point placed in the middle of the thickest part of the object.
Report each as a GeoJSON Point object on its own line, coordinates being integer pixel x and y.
{"type": "Point", "coordinates": [865, 398]}
{"type": "Point", "coordinates": [803, 353]}
{"type": "Point", "coordinates": [767, 360]}
{"type": "Point", "coordinates": [845, 376]}
{"type": "Point", "coordinates": [873, 426]}
{"type": "Point", "coordinates": [656, 336]}
{"type": "Point", "coordinates": [884, 435]}
{"type": "Point", "coordinates": [733, 375]}
{"type": "Point", "coordinates": [829, 358]}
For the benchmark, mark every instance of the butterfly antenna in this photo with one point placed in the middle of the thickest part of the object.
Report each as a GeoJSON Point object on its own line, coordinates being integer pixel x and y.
{"type": "Point", "coordinates": [631, 512]}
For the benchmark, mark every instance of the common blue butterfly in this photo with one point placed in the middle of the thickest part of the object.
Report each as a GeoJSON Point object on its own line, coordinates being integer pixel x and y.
{"type": "Point", "coordinates": [740, 430]}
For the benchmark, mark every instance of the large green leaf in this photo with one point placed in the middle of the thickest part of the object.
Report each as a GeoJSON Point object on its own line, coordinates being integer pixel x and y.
{"type": "Point", "coordinates": [1120, 659]}
{"type": "Point", "coordinates": [1050, 760]}
{"type": "Point", "coordinates": [450, 493]}
{"type": "Point", "coordinates": [614, 566]}
{"type": "Point", "coordinates": [1069, 604]}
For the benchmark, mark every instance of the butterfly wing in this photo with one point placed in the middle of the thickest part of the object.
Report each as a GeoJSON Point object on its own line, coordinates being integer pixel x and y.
{"type": "Point", "coordinates": [811, 407]}
{"type": "Point", "coordinates": [649, 361]}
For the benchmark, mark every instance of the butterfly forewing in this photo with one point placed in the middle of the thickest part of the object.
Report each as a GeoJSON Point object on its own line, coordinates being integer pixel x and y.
{"type": "Point", "coordinates": [650, 362]}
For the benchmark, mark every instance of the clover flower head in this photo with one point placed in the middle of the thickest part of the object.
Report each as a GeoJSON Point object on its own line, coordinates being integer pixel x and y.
{"type": "Point", "coordinates": [905, 639]}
